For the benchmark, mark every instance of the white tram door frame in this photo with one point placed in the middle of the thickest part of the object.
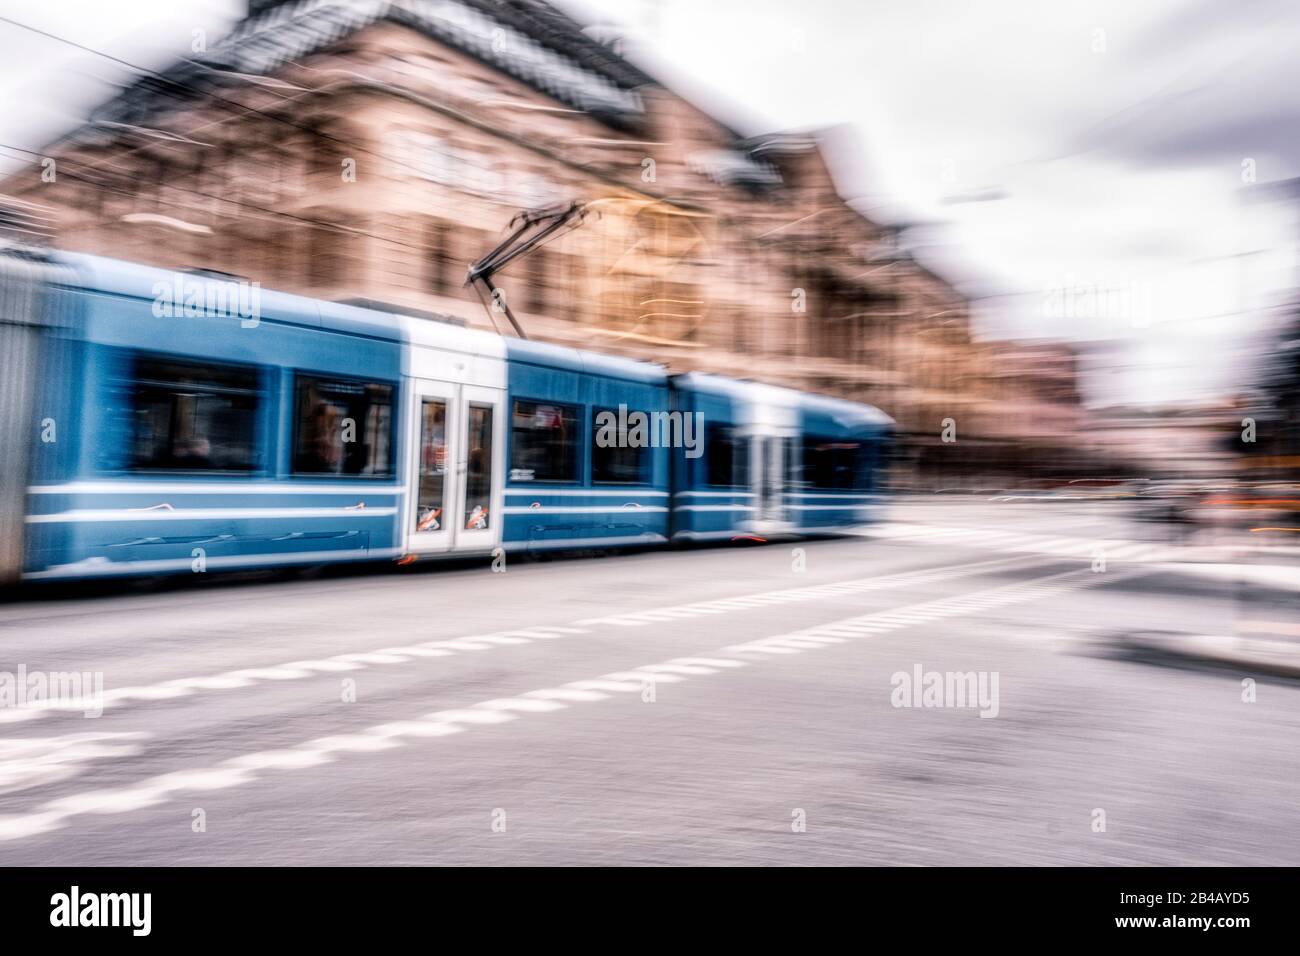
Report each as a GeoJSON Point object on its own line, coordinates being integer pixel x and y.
{"type": "Point", "coordinates": [768, 448]}
{"type": "Point", "coordinates": [452, 533]}
{"type": "Point", "coordinates": [471, 537]}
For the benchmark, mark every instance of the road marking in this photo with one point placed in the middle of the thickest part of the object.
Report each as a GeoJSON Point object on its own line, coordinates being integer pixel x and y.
{"type": "Point", "coordinates": [36, 761]}
{"type": "Point", "coordinates": [358, 660]}
{"type": "Point", "coordinates": [246, 768]}
{"type": "Point", "coordinates": [879, 622]}
{"type": "Point", "coordinates": [1030, 543]}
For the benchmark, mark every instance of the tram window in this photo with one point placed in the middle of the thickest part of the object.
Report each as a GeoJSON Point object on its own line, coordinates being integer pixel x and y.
{"type": "Point", "coordinates": [543, 442]}
{"type": "Point", "coordinates": [433, 465]}
{"type": "Point", "coordinates": [344, 427]}
{"type": "Point", "coordinates": [193, 417]}
{"type": "Point", "coordinates": [478, 468]}
{"type": "Point", "coordinates": [830, 464]}
{"type": "Point", "coordinates": [866, 465]}
{"type": "Point", "coordinates": [726, 456]}
{"type": "Point", "coordinates": [614, 460]}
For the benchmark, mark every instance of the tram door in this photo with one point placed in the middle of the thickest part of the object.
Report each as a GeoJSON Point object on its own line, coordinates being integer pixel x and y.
{"type": "Point", "coordinates": [767, 456]}
{"type": "Point", "coordinates": [454, 499]}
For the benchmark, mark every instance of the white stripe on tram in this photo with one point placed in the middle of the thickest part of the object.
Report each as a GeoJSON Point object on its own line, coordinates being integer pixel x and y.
{"type": "Point", "coordinates": [202, 514]}
{"type": "Point", "coordinates": [212, 488]}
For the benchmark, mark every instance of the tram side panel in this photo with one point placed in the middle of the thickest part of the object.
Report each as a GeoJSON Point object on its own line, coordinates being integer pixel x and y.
{"type": "Point", "coordinates": [192, 442]}
{"type": "Point", "coordinates": [580, 472]}
{"type": "Point", "coordinates": [712, 494]}
{"type": "Point", "coordinates": [837, 483]}
{"type": "Point", "coordinates": [32, 315]}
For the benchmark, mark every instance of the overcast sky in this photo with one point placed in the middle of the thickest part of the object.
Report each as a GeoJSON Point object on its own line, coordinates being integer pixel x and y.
{"type": "Point", "coordinates": [1052, 148]}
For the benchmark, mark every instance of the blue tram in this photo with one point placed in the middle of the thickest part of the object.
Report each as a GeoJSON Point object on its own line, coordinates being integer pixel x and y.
{"type": "Point", "coordinates": [157, 422]}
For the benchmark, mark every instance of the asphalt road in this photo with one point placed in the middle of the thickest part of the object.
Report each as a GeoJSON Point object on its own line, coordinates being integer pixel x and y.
{"type": "Point", "coordinates": [713, 706]}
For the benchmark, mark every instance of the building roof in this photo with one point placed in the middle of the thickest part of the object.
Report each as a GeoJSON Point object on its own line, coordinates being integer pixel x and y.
{"type": "Point", "coordinates": [527, 39]}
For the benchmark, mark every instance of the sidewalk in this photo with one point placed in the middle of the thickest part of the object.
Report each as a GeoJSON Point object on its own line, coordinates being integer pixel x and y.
{"type": "Point", "coordinates": [1243, 561]}
{"type": "Point", "coordinates": [1267, 645]}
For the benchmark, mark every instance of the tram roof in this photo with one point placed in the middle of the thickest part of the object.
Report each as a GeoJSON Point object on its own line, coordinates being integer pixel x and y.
{"type": "Point", "coordinates": [843, 411]}
{"type": "Point", "coordinates": [133, 280]}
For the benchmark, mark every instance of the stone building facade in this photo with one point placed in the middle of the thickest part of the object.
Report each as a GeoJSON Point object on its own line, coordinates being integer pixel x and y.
{"type": "Point", "coordinates": [372, 149]}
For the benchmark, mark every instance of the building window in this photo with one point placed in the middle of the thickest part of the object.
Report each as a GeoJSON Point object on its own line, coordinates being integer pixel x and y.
{"type": "Point", "coordinates": [726, 456]}
{"type": "Point", "coordinates": [543, 442]}
{"type": "Point", "coordinates": [438, 260]}
{"type": "Point", "coordinates": [327, 257]}
{"type": "Point", "coordinates": [193, 417]}
{"type": "Point", "coordinates": [538, 278]}
{"type": "Point", "coordinates": [344, 427]}
{"type": "Point", "coordinates": [614, 459]}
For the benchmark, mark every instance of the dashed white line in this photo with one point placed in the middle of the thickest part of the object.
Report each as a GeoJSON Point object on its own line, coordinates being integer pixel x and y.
{"type": "Point", "coordinates": [246, 768]}
{"type": "Point", "coordinates": [299, 670]}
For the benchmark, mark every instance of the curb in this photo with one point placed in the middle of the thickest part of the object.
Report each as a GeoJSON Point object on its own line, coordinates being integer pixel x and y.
{"type": "Point", "coordinates": [1279, 577]}
{"type": "Point", "coordinates": [1277, 658]}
